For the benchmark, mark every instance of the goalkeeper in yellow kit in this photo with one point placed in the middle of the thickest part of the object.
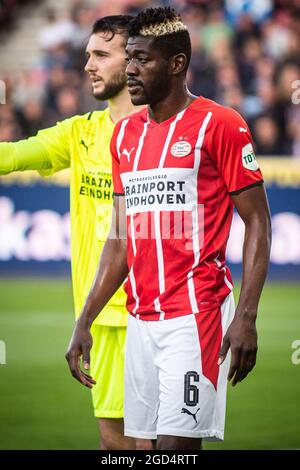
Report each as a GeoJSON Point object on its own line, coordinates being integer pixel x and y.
{"type": "Point", "coordinates": [75, 143]}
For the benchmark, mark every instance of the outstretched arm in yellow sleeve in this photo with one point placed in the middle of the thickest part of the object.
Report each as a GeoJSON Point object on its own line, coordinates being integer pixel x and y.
{"type": "Point", "coordinates": [47, 152]}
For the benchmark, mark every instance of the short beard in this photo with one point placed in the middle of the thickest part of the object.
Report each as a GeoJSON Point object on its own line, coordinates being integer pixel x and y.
{"type": "Point", "coordinates": [116, 84]}
{"type": "Point", "coordinates": [160, 87]}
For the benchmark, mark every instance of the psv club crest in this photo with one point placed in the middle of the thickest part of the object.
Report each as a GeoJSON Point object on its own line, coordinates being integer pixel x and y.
{"type": "Point", "coordinates": [181, 149]}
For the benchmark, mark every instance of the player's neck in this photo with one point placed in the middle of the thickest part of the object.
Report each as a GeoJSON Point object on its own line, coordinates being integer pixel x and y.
{"type": "Point", "coordinates": [121, 106]}
{"type": "Point", "coordinates": [178, 99]}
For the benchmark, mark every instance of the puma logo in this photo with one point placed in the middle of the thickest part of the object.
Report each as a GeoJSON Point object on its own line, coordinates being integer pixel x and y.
{"type": "Point", "coordinates": [184, 410]}
{"type": "Point", "coordinates": [127, 154]}
{"type": "Point", "coordinates": [86, 146]}
{"type": "Point", "coordinates": [242, 129]}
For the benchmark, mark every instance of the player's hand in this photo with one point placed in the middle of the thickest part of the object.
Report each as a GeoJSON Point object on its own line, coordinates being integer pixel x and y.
{"type": "Point", "coordinates": [80, 346]}
{"type": "Point", "coordinates": [241, 338]}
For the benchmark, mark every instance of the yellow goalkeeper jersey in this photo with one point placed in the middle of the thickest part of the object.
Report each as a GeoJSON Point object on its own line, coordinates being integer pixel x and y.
{"type": "Point", "coordinates": [83, 144]}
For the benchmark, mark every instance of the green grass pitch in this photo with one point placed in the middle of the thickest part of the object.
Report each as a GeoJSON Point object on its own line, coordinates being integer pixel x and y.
{"type": "Point", "coordinates": [43, 407]}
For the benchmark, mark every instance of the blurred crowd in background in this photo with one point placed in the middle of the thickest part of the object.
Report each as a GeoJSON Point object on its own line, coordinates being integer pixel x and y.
{"type": "Point", "coordinates": [7, 9]}
{"type": "Point", "coordinates": [246, 54]}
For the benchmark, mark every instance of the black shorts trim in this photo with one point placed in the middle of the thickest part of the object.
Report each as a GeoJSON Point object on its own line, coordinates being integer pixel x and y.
{"type": "Point", "coordinates": [238, 191]}
{"type": "Point", "coordinates": [118, 194]}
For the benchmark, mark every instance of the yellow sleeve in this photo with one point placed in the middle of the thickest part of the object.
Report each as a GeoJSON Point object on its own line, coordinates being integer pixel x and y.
{"type": "Point", "coordinates": [23, 155]}
{"type": "Point", "coordinates": [47, 152]}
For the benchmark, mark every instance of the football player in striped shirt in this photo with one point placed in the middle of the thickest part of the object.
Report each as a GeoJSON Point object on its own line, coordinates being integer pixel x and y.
{"type": "Point", "coordinates": [180, 166]}
{"type": "Point", "coordinates": [82, 143]}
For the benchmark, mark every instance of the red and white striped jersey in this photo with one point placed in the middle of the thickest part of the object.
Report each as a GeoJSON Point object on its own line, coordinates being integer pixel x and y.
{"type": "Point", "coordinates": [177, 177]}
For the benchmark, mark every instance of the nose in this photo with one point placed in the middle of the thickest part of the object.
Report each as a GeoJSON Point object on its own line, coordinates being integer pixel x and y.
{"type": "Point", "coordinates": [131, 68]}
{"type": "Point", "coordinates": [90, 65]}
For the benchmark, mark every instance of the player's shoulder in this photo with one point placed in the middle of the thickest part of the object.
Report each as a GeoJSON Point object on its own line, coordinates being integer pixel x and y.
{"type": "Point", "coordinates": [220, 114]}
{"type": "Point", "coordinates": [90, 117]}
{"type": "Point", "coordinates": [134, 118]}
{"type": "Point", "coordinates": [89, 123]}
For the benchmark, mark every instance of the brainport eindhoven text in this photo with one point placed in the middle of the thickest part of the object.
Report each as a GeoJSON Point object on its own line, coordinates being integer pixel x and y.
{"type": "Point", "coordinates": [151, 193]}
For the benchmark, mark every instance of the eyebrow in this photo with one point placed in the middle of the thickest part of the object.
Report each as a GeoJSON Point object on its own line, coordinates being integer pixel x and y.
{"type": "Point", "coordinates": [97, 51]}
{"type": "Point", "coordinates": [137, 51]}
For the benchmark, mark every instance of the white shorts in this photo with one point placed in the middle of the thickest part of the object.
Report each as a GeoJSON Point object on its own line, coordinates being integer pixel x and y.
{"type": "Point", "coordinates": [173, 385]}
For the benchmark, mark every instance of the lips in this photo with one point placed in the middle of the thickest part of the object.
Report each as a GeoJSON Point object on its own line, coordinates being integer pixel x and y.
{"type": "Point", "coordinates": [95, 79]}
{"type": "Point", "coordinates": [133, 86]}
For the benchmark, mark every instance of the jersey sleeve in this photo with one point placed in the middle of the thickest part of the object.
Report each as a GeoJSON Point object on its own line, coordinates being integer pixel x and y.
{"type": "Point", "coordinates": [231, 149]}
{"type": "Point", "coordinates": [23, 155]}
{"type": "Point", "coordinates": [47, 152]}
{"type": "Point", "coordinates": [117, 182]}
{"type": "Point", "coordinates": [56, 141]}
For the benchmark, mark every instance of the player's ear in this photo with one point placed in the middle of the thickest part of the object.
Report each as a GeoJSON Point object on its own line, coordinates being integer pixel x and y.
{"type": "Point", "coordinates": [178, 63]}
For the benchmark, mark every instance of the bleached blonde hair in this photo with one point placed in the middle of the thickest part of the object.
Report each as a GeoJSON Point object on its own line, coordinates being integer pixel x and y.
{"type": "Point", "coordinates": [157, 22]}
{"type": "Point", "coordinates": [165, 27]}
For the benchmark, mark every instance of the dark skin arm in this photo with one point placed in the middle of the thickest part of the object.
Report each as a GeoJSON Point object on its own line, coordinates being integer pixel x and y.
{"type": "Point", "coordinates": [112, 271]}
{"type": "Point", "coordinates": [241, 336]}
